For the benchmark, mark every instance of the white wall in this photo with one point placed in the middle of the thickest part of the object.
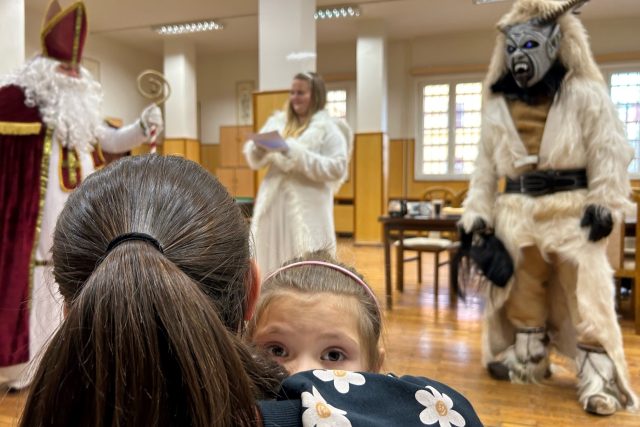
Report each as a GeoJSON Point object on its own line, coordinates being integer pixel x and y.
{"type": "Point", "coordinates": [620, 35]}
{"type": "Point", "coordinates": [217, 78]}
{"type": "Point", "coordinates": [119, 67]}
{"type": "Point", "coordinates": [217, 75]}
{"type": "Point", "coordinates": [337, 58]}
{"type": "Point", "coordinates": [475, 48]}
{"type": "Point", "coordinates": [12, 44]}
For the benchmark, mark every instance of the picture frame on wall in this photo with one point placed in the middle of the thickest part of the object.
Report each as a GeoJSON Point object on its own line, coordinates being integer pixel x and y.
{"type": "Point", "coordinates": [244, 102]}
{"type": "Point", "coordinates": [93, 66]}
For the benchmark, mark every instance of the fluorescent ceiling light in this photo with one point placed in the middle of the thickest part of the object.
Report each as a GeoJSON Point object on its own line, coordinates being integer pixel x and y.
{"type": "Point", "coordinates": [300, 56]}
{"type": "Point", "coordinates": [333, 12]}
{"type": "Point", "coordinates": [486, 1]}
{"type": "Point", "coordinates": [188, 27]}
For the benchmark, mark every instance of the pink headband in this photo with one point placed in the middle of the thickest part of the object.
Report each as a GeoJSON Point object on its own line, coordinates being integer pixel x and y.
{"type": "Point", "coordinates": [329, 265]}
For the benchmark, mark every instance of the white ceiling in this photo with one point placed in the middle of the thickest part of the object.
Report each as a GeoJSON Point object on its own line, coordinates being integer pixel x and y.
{"type": "Point", "coordinates": [130, 21]}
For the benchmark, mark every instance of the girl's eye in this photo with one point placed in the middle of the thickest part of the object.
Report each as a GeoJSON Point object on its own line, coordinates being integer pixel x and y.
{"type": "Point", "coordinates": [511, 49]}
{"type": "Point", "coordinates": [531, 44]}
{"type": "Point", "coordinates": [334, 356]}
{"type": "Point", "coordinates": [276, 350]}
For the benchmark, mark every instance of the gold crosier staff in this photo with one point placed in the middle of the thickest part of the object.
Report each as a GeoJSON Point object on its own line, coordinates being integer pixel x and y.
{"type": "Point", "coordinates": [152, 85]}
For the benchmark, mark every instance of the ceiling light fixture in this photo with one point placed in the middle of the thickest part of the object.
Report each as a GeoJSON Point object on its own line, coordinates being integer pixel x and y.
{"type": "Point", "coordinates": [332, 12]}
{"type": "Point", "coordinates": [486, 1]}
{"type": "Point", "coordinates": [188, 27]}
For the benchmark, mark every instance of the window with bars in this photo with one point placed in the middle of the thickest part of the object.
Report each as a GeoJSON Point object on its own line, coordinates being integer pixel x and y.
{"type": "Point", "coordinates": [625, 94]}
{"type": "Point", "coordinates": [337, 103]}
{"type": "Point", "coordinates": [449, 129]}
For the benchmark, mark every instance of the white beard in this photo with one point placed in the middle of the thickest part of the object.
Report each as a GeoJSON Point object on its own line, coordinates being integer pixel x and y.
{"type": "Point", "coordinates": [71, 106]}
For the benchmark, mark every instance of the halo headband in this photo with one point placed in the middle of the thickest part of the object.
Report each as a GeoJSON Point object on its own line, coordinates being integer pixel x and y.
{"type": "Point", "coordinates": [342, 270]}
{"type": "Point", "coordinates": [133, 236]}
{"type": "Point", "coordinates": [307, 74]}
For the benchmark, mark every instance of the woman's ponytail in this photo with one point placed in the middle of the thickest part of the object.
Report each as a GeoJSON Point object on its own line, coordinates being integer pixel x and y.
{"type": "Point", "coordinates": [152, 258]}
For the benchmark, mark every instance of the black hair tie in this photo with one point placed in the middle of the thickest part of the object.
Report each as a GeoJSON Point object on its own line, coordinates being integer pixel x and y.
{"type": "Point", "coordinates": [133, 236]}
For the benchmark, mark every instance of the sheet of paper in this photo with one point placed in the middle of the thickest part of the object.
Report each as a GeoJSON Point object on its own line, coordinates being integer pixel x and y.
{"type": "Point", "coordinates": [271, 141]}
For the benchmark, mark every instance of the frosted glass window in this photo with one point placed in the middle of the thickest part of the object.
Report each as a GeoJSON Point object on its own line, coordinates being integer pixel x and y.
{"type": "Point", "coordinates": [451, 121]}
{"type": "Point", "coordinates": [337, 103]}
{"type": "Point", "coordinates": [625, 94]}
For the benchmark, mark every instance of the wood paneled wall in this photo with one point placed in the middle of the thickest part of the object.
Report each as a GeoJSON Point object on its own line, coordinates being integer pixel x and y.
{"type": "Point", "coordinates": [210, 157]}
{"type": "Point", "coordinates": [370, 197]}
{"type": "Point", "coordinates": [415, 189]}
{"type": "Point", "coordinates": [187, 148]}
{"type": "Point", "coordinates": [264, 105]}
{"type": "Point", "coordinates": [143, 149]}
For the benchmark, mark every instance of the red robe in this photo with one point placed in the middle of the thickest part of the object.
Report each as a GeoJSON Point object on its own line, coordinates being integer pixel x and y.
{"type": "Point", "coordinates": [22, 140]}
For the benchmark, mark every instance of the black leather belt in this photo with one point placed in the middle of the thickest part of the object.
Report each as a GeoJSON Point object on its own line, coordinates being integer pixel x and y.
{"type": "Point", "coordinates": [541, 182]}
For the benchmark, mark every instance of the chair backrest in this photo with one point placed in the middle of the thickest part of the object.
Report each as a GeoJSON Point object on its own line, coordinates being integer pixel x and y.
{"type": "Point", "coordinates": [636, 280]}
{"type": "Point", "coordinates": [615, 247]}
{"type": "Point", "coordinates": [442, 193]}
{"type": "Point", "coordinates": [616, 243]}
{"type": "Point", "coordinates": [459, 198]}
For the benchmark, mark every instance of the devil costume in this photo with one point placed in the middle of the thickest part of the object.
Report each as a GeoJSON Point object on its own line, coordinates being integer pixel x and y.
{"type": "Point", "coordinates": [551, 132]}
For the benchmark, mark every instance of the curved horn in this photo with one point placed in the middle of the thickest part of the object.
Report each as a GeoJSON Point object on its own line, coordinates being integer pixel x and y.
{"type": "Point", "coordinates": [568, 5]}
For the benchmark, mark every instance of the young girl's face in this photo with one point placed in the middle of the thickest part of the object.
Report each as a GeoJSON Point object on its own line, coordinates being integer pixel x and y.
{"type": "Point", "coordinates": [305, 332]}
{"type": "Point", "coordinates": [300, 97]}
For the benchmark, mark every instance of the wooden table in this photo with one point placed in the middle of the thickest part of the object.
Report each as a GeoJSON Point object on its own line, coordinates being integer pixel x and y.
{"type": "Point", "coordinates": [394, 229]}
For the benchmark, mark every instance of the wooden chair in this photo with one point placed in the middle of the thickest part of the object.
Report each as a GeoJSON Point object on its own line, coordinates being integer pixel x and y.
{"type": "Point", "coordinates": [626, 265]}
{"type": "Point", "coordinates": [459, 198]}
{"type": "Point", "coordinates": [432, 243]}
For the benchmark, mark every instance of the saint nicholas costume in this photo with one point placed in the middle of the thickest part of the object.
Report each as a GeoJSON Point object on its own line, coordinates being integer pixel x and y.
{"type": "Point", "coordinates": [39, 166]}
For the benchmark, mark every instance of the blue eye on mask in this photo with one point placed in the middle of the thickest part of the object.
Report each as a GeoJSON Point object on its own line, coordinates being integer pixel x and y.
{"type": "Point", "coordinates": [532, 48]}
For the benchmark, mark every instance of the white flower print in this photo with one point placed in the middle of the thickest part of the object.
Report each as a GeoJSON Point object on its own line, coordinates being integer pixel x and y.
{"type": "Point", "coordinates": [438, 409]}
{"type": "Point", "coordinates": [320, 413]}
{"type": "Point", "coordinates": [341, 379]}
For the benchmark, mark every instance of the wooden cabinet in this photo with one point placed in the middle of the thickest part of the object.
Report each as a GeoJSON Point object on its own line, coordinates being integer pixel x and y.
{"type": "Point", "coordinates": [343, 213]}
{"type": "Point", "coordinates": [233, 171]}
{"type": "Point", "coordinates": [232, 139]}
{"type": "Point", "coordinates": [343, 218]}
{"type": "Point", "coordinates": [239, 181]}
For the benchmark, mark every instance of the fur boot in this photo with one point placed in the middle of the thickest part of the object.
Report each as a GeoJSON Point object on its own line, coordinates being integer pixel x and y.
{"type": "Point", "coordinates": [527, 360]}
{"type": "Point", "coordinates": [598, 389]}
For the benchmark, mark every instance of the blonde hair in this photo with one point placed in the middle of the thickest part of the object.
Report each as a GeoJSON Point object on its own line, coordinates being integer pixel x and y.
{"type": "Point", "coordinates": [294, 127]}
{"type": "Point", "coordinates": [316, 277]}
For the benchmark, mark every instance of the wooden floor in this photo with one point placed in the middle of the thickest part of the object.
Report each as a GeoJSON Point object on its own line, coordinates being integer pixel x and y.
{"type": "Point", "coordinates": [429, 338]}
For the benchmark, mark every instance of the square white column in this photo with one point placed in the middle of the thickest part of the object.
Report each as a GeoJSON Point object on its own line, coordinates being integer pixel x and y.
{"type": "Point", "coordinates": [371, 70]}
{"type": "Point", "coordinates": [181, 119]}
{"type": "Point", "coordinates": [12, 36]}
{"type": "Point", "coordinates": [287, 41]}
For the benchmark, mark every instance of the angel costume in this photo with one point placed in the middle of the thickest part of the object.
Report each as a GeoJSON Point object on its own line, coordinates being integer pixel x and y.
{"type": "Point", "coordinates": [294, 208]}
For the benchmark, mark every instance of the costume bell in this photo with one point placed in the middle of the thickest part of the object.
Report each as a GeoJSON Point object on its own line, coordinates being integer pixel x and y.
{"type": "Point", "coordinates": [51, 136]}
{"type": "Point", "coordinates": [550, 130]}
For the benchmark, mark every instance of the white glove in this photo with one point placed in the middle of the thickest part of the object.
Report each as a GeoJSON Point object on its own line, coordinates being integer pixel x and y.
{"type": "Point", "coordinates": [151, 118]}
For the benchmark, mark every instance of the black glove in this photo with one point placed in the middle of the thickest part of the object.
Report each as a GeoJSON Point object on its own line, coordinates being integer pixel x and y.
{"type": "Point", "coordinates": [600, 221]}
{"type": "Point", "coordinates": [487, 253]}
{"type": "Point", "coordinates": [467, 237]}
{"type": "Point", "coordinates": [478, 225]}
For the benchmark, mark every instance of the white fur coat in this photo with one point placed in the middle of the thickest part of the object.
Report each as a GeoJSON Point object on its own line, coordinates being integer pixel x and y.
{"type": "Point", "coordinates": [293, 212]}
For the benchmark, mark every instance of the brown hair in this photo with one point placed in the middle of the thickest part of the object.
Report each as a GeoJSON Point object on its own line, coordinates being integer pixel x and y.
{"type": "Point", "coordinates": [312, 279]}
{"type": "Point", "coordinates": [142, 344]}
{"type": "Point", "coordinates": [294, 127]}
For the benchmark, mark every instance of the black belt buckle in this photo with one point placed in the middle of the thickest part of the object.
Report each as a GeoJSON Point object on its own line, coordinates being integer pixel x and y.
{"type": "Point", "coordinates": [537, 183]}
